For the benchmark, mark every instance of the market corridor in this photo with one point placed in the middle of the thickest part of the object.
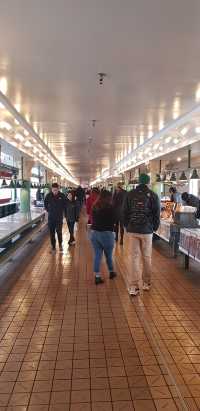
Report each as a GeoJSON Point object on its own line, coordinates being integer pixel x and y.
{"type": "Point", "coordinates": [69, 345]}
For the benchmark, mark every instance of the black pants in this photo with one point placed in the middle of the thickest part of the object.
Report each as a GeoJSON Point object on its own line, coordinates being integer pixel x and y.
{"type": "Point", "coordinates": [71, 225]}
{"type": "Point", "coordinates": [119, 225]}
{"type": "Point", "coordinates": [55, 227]}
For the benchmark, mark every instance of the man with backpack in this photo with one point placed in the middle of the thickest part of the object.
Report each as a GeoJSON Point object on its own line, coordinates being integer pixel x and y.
{"type": "Point", "coordinates": [141, 214]}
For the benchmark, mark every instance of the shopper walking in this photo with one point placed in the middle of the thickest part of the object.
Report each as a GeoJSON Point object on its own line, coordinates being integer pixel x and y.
{"type": "Point", "coordinates": [141, 217]}
{"type": "Point", "coordinates": [72, 215]}
{"type": "Point", "coordinates": [80, 195]}
{"type": "Point", "coordinates": [118, 201]}
{"type": "Point", "coordinates": [102, 234]}
{"type": "Point", "coordinates": [90, 202]}
{"type": "Point", "coordinates": [55, 205]}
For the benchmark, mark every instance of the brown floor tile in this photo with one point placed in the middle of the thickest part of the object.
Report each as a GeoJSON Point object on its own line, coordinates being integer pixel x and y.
{"type": "Point", "coordinates": [23, 386]}
{"type": "Point", "coordinates": [123, 406]}
{"type": "Point", "coordinates": [42, 385]}
{"type": "Point", "coordinates": [6, 387]}
{"type": "Point", "coordinates": [100, 395]}
{"type": "Point", "coordinates": [101, 406]}
{"type": "Point", "coordinates": [166, 405]}
{"type": "Point", "coordinates": [61, 397]}
{"type": "Point", "coordinates": [120, 394]}
{"type": "Point", "coordinates": [80, 396]}
{"type": "Point", "coordinates": [61, 385]}
{"type": "Point", "coordinates": [40, 398]}
{"type": "Point", "coordinates": [4, 398]}
{"type": "Point", "coordinates": [144, 405]}
{"type": "Point", "coordinates": [18, 398]}
{"type": "Point", "coordinates": [99, 383]}
{"type": "Point", "coordinates": [80, 407]}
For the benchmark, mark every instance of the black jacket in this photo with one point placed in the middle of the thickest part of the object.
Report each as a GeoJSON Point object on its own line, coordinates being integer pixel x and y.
{"type": "Point", "coordinates": [103, 219]}
{"type": "Point", "coordinates": [72, 210]}
{"type": "Point", "coordinates": [141, 211]}
{"type": "Point", "coordinates": [194, 201]}
{"type": "Point", "coordinates": [56, 206]}
{"type": "Point", "coordinates": [118, 202]}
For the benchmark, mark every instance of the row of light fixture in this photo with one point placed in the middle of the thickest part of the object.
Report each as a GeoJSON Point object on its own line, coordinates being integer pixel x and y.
{"type": "Point", "coordinates": [29, 142]}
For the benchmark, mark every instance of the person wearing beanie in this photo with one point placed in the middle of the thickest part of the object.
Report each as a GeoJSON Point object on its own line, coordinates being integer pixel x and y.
{"type": "Point", "coordinates": [141, 215]}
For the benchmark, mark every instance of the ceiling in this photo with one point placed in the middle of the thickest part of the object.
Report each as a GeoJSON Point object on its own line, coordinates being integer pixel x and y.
{"type": "Point", "coordinates": [52, 51]}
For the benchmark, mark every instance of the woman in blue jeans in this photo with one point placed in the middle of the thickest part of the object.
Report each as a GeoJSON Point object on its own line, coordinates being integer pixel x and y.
{"type": "Point", "coordinates": [102, 234]}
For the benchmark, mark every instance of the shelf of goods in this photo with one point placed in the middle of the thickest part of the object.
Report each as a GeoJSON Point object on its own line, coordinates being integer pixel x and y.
{"type": "Point", "coordinates": [190, 244]}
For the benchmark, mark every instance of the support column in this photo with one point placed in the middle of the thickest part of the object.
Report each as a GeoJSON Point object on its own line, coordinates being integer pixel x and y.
{"type": "Point", "coordinates": [155, 168]}
{"type": "Point", "coordinates": [25, 198]}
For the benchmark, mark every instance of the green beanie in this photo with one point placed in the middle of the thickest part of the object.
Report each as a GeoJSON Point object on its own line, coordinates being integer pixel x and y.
{"type": "Point", "coordinates": [144, 179]}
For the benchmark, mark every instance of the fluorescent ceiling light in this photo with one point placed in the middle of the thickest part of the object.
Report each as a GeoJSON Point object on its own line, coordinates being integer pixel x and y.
{"type": "Point", "coordinates": [5, 125]}
{"type": "Point", "coordinates": [26, 133]}
{"type": "Point", "coordinates": [184, 131]}
{"type": "Point", "coordinates": [2, 107]}
{"type": "Point", "coordinates": [168, 139]}
{"type": "Point", "coordinates": [28, 143]}
{"type": "Point", "coordinates": [19, 137]}
{"type": "Point", "coordinates": [176, 140]}
{"type": "Point", "coordinates": [197, 129]}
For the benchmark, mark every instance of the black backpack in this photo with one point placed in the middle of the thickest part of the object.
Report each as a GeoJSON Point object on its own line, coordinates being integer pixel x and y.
{"type": "Point", "coordinates": [141, 206]}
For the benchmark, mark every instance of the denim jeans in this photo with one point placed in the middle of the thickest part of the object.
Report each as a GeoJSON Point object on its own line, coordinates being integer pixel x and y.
{"type": "Point", "coordinates": [102, 242]}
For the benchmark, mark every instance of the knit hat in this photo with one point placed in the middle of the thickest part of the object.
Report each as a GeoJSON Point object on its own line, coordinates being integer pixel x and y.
{"type": "Point", "coordinates": [144, 179]}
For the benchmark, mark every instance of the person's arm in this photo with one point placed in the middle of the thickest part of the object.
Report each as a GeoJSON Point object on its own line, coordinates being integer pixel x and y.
{"type": "Point", "coordinates": [77, 212]}
{"type": "Point", "coordinates": [46, 202]}
{"type": "Point", "coordinates": [126, 211]}
{"type": "Point", "coordinates": [156, 212]}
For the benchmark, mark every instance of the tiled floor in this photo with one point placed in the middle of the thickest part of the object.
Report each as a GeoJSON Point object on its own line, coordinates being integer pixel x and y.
{"type": "Point", "coordinates": [69, 345]}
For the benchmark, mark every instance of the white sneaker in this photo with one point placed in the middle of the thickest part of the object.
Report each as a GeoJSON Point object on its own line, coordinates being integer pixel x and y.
{"type": "Point", "coordinates": [133, 291]}
{"type": "Point", "coordinates": [146, 286]}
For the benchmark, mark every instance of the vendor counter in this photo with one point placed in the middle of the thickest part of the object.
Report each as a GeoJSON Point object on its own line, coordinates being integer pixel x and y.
{"type": "Point", "coordinates": [14, 226]}
{"type": "Point", "coordinates": [8, 208]}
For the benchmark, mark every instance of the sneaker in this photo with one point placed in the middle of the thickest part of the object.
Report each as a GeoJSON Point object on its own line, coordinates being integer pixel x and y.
{"type": "Point", "coordinates": [113, 274]}
{"type": "Point", "coordinates": [53, 250]}
{"type": "Point", "coordinates": [61, 249]}
{"type": "Point", "coordinates": [146, 286]}
{"type": "Point", "coordinates": [73, 242]}
{"type": "Point", "coordinates": [121, 242]}
{"type": "Point", "coordinates": [133, 291]}
{"type": "Point", "coordinates": [99, 280]}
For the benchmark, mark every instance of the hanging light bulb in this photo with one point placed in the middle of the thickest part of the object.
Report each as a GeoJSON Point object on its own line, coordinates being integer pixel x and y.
{"type": "Point", "coordinates": [194, 175]}
{"type": "Point", "coordinates": [183, 176]}
{"type": "Point", "coordinates": [173, 177]}
{"type": "Point", "coordinates": [4, 184]}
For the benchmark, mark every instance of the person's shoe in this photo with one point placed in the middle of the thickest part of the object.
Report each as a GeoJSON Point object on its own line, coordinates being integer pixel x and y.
{"type": "Point", "coordinates": [113, 274]}
{"type": "Point", "coordinates": [53, 250]}
{"type": "Point", "coordinates": [146, 286]}
{"type": "Point", "coordinates": [61, 249]}
{"type": "Point", "coordinates": [99, 280]}
{"type": "Point", "coordinates": [121, 241]}
{"type": "Point", "coordinates": [116, 239]}
{"type": "Point", "coordinates": [134, 291]}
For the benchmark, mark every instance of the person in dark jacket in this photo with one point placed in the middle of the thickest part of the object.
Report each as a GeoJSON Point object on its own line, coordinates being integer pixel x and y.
{"type": "Point", "coordinates": [141, 217]}
{"type": "Point", "coordinates": [55, 205]}
{"type": "Point", "coordinates": [80, 195]}
{"type": "Point", "coordinates": [192, 201]}
{"type": "Point", "coordinates": [72, 215]}
{"type": "Point", "coordinates": [102, 234]}
{"type": "Point", "coordinates": [118, 201]}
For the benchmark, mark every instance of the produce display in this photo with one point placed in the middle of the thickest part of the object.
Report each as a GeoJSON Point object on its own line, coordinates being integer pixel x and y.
{"type": "Point", "coordinates": [190, 242]}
